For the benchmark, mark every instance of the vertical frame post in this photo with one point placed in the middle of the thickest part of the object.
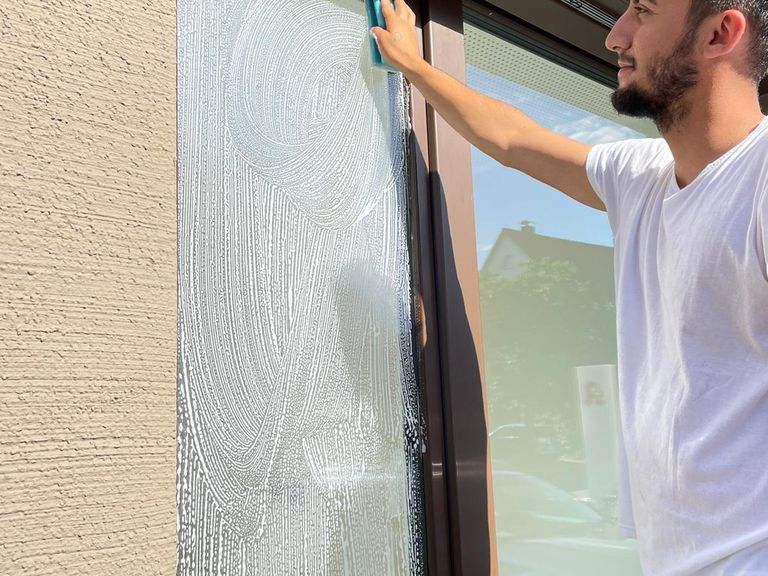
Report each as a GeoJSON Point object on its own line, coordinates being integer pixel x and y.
{"type": "Point", "coordinates": [452, 314]}
{"type": "Point", "coordinates": [437, 523]}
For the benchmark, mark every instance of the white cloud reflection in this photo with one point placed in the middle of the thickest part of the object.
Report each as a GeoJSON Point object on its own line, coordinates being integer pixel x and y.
{"type": "Point", "coordinates": [596, 130]}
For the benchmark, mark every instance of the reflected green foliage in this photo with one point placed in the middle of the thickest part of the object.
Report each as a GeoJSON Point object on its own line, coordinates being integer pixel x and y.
{"type": "Point", "coordinates": [537, 327]}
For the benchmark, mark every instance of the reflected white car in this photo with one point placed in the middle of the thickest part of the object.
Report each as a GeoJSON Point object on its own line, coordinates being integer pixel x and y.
{"type": "Point", "coordinates": [542, 530]}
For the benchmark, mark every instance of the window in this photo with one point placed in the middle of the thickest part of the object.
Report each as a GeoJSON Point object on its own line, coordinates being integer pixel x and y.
{"type": "Point", "coordinates": [547, 307]}
{"type": "Point", "coordinates": [299, 438]}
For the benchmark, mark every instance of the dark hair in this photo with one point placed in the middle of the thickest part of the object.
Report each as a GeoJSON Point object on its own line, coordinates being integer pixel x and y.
{"type": "Point", "coordinates": [756, 13]}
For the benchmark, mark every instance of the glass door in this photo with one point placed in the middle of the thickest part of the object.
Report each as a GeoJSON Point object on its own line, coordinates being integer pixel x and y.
{"type": "Point", "coordinates": [547, 307]}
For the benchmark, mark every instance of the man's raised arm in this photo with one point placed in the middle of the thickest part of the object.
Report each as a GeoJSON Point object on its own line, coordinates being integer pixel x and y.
{"type": "Point", "coordinates": [496, 128]}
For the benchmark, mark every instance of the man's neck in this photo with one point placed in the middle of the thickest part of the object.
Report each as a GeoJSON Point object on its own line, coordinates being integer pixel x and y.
{"type": "Point", "coordinates": [716, 122]}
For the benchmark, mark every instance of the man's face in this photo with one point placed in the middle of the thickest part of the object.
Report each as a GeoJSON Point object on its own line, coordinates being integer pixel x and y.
{"type": "Point", "coordinates": [655, 46]}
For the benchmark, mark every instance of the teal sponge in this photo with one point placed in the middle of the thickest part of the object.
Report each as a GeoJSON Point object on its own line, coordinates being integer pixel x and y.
{"type": "Point", "coordinates": [375, 18]}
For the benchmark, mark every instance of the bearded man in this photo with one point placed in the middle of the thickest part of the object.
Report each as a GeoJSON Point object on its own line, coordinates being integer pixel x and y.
{"type": "Point", "coordinates": [689, 213]}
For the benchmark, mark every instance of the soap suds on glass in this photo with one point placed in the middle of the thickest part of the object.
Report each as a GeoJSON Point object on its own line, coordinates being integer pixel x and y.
{"type": "Point", "coordinates": [299, 440]}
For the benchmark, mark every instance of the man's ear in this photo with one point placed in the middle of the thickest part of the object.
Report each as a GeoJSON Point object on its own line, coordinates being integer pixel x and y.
{"type": "Point", "coordinates": [725, 33]}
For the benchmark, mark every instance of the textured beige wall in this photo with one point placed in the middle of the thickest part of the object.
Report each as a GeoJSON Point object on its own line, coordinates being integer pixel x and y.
{"type": "Point", "coordinates": [87, 287]}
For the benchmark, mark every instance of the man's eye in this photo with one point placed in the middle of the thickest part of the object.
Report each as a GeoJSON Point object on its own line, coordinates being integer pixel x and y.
{"type": "Point", "coordinates": [640, 9]}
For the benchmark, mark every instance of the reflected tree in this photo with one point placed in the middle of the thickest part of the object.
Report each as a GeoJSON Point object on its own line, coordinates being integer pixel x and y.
{"type": "Point", "coordinates": [537, 327]}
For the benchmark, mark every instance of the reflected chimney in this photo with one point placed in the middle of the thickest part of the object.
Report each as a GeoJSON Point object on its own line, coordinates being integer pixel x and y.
{"type": "Point", "coordinates": [528, 227]}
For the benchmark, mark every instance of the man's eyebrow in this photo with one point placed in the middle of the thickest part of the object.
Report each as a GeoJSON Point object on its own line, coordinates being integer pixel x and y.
{"type": "Point", "coordinates": [654, 2]}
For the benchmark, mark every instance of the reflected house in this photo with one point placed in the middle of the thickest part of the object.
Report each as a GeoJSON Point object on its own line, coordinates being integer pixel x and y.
{"type": "Point", "coordinates": [514, 249]}
{"type": "Point", "coordinates": [554, 469]}
{"type": "Point", "coordinates": [548, 308]}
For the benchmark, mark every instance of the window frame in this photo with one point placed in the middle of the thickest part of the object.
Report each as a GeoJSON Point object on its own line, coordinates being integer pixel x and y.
{"type": "Point", "coordinates": [459, 532]}
{"type": "Point", "coordinates": [459, 513]}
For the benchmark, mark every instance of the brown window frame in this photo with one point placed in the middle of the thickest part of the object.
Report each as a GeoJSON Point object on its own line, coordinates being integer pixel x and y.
{"type": "Point", "coordinates": [459, 514]}
{"type": "Point", "coordinates": [459, 510]}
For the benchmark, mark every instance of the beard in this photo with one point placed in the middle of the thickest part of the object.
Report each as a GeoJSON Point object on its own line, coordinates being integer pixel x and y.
{"type": "Point", "coordinates": [670, 78]}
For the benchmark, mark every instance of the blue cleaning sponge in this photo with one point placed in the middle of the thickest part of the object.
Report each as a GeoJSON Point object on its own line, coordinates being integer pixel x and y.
{"type": "Point", "coordinates": [376, 18]}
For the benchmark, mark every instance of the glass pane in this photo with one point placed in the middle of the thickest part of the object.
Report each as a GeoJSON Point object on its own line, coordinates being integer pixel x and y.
{"type": "Point", "coordinates": [299, 438]}
{"type": "Point", "coordinates": [547, 301]}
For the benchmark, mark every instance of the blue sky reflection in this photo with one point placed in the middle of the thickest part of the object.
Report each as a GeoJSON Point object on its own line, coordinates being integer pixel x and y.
{"type": "Point", "coordinates": [504, 197]}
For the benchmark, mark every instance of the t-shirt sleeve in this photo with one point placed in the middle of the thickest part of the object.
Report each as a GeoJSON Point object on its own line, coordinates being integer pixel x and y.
{"type": "Point", "coordinates": [618, 170]}
{"type": "Point", "coordinates": [600, 161]}
{"type": "Point", "coordinates": [603, 176]}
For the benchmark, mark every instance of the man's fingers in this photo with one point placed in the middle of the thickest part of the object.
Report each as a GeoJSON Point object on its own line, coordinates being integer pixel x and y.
{"type": "Point", "coordinates": [405, 12]}
{"type": "Point", "coordinates": [376, 32]}
{"type": "Point", "coordinates": [386, 10]}
{"type": "Point", "coordinates": [400, 10]}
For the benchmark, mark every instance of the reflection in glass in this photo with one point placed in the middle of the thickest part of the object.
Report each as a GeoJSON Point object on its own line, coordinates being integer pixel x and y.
{"type": "Point", "coordinates": [299, 439]}
{"type": "Point", "coordinates": [547, 302]}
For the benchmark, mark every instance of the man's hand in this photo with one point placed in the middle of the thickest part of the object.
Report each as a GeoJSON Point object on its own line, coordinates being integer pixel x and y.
{"type": "Point", "coordinates": [398, 44]}
{"type": "Point", "coordinates": [496, 128]}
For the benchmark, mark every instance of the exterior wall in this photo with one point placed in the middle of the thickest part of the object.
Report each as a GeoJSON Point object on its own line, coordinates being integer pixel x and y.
{"type": "Point", "coordinates": [87, 287]}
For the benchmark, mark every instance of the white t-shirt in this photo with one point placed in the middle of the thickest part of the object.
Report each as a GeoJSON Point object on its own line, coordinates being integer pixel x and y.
{"type": "Point", "coordinates": [692, 316]}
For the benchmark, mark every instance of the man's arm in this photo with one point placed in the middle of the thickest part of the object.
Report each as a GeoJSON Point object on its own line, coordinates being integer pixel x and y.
{"type": "Point", "coordinates": [496, 128]}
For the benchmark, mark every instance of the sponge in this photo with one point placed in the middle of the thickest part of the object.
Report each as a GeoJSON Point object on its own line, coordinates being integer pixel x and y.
{"type": "Point", "coordinates": [376, 18]}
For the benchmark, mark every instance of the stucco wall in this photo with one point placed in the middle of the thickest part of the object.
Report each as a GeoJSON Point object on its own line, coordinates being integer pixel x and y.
{"type": "Point", "coordinates": [87, 287]}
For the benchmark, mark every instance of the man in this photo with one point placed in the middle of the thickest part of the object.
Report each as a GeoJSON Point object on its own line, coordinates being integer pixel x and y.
{"type": "Point", "coordinates": [689, 213]}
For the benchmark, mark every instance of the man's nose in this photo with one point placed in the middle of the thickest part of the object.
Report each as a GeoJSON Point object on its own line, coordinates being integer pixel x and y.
{"type": "Point", "coordinates": [619, 38]}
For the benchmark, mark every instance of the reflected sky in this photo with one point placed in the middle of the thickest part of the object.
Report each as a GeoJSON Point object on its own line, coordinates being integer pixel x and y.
{"type": "Point", "coordinates": [504, 197]}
